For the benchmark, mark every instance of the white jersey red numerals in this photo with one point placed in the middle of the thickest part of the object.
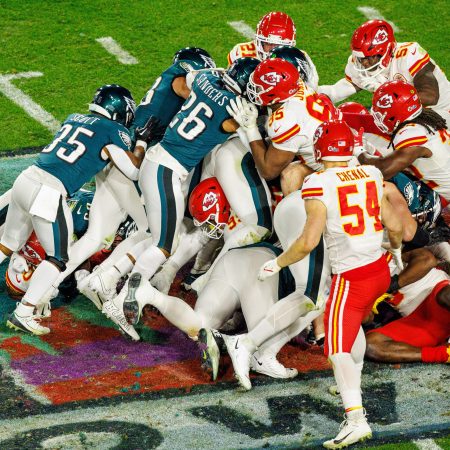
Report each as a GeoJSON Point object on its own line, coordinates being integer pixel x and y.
{"type": "Point", "coordinates": [434, 171]}
{"type": "Point", "coordinates": [408, 298]}
{"type": "Point", "coordinates": [409, 58]}
{"type": "Point", "coordinates": [292, 126]}
{"type": "Point", "coordinates": [352, 196]}
{"type": "Point", "coordinates": [243, 50]}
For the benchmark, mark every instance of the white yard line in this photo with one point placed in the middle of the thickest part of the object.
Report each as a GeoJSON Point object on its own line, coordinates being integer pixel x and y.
{"type": "Point", "coordinates": [427, 444]}
{"type": "Point", "coordinates": [112, 47]}
{"type": "Point", "coordinates": [25, 102]}
{"type": "Point", "coordinates": [372, 13]}
{"type": "Point", "coordinates": [241, 27]}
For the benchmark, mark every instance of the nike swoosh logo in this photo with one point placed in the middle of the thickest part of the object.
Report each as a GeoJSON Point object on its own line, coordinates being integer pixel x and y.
{"type": "Point", "coordinates": [338, 441]}
{"type": "Point", "coordinates": [259, 363]}
{"type": "Point", "coordinates": [414, 52]}
{"type": "Point", "coordinates": [276, 130]}
{"type": "Point", "coordinates": [236, 346]}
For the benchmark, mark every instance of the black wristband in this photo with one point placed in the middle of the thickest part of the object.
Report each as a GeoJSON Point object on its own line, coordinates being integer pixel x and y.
{"type": "Point", "coordinates": [393, 287]}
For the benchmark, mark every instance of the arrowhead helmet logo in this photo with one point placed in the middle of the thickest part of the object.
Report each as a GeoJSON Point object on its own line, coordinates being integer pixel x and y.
{"type": "Point", "coordinates": [381, 36]}
{"type": "Point", "coordinates": [271, 78]}
{"type": "Point", "coordinates": [209, 200]}
{"type": "Point", "coordinates": [385, 101]}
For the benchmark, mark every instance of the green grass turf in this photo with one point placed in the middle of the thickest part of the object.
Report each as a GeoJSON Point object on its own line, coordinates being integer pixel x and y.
{"type": "Point", "coordinates": [58, 39]}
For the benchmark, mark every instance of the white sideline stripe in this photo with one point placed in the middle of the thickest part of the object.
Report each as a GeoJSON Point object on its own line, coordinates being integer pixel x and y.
{"type": "Point", "coordinates": [241, 27]}
{"type": "Point", "coordinates": [25, 102]}
{"type": "Point", "coordinates": [427, 444]}
{"type": "Point", "coordinates": [372, 13]}
{"type": "Point", "coordinates": [111, 46]}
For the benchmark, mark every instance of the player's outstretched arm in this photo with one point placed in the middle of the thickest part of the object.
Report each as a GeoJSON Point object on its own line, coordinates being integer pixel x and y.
{"type": "Point", "coordinates": [427, 86]}
{"type": "Point", "coordinates": [127, 162]}
{"type": "Point", "coordinates": [338, 91]}
{"type": "Point", "coordinates": [393, 223]}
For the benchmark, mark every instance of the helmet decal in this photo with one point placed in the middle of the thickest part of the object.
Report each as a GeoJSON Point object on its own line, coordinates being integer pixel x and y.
{"type": "Point", "coordinates": [381, 36]}
{"type": "Point", "coordinates": [271, 78]}
{"type": "Point", "coordinates": [209, 200]}
{"type": "Point", "coordinates": [385, 101]}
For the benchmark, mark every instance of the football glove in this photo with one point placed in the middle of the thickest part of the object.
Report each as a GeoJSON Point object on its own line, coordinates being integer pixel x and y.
{"type": "Point", "coordinates": [268, 269]}
{"type": "Point", "coordinates": [152, 130]}
{"type": "Point", "coordinates": [245, 114]}
{"type": "Point", "coordinates": [359, 144]}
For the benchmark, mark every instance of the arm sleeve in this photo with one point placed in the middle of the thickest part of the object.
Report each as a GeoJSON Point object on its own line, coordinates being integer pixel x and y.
{"type": "Point", "coordinates": [123, 162]}
{"type": "Point", "coordinates": [338, 91]}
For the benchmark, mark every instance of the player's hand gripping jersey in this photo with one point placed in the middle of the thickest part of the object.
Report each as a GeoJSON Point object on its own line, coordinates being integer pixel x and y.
{"type": "Point", "coordinates": [408, 59]}
{"type": "Point", "coordinates": [75, 154]}
{"type": "Point", "coordinates": [434, 171]}
{"type": "Point", "coordinates": [291, 127]}
{"type": "Point", "coordinates": [354, 231]}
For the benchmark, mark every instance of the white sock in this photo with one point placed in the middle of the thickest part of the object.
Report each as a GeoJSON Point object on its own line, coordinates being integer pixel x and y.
{"type": "Point", "coordinates": [123, 265]}
{"type": "Point", "coordinates": [358, 351]}
{"type": "Point", "coordinates": [43, 278]}
{"type": "Point", "coordinates": [24, 310]}
{"type": "Point", "coordinates": [348, 380]}
{"type": "Point", "coordinates": [190, 244]}
{"type": "Point", "coordinates": [149, 262]}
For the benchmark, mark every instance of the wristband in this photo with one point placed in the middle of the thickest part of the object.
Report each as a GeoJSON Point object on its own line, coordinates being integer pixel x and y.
{"type": "Point", "coordinates": [253, 134]}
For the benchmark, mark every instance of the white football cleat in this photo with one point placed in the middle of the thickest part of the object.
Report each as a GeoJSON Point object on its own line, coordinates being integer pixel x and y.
{"type": "Point", "coordinates": [131, 308]}
{"type": "Point", "coordinates": [117, 316]}
{"type": "Point", "coordinates": [351, 431]}
{"type": "Point", "coordinates": [240, 357]}
{"type": "Point", "coordinates": [27, 324]}
{"type": "Point", "coordinates": [267, 364]}
{"type": "Point", "coordinates": [104, 283]}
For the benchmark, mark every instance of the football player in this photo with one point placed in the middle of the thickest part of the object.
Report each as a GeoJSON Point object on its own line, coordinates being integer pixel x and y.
{"type": "Point", "coordinates": [361, 273]}
{"type": "Point", "coordinates": [418, 135]}
{"type": "Point", "coordinates": [248, 194]}
{"type": "Point", "coordinates": [377, 58]}
{"type": "Point", "coordinates": [202, 124]}
{"type": "Point", "coordinates": [422, 332]}
{"type": "Point", "coordinates": [83, 146]}
{"type": "Point", "coordinates": [117, 196]}
{"type": "Point", "coordinates": [295, 113]}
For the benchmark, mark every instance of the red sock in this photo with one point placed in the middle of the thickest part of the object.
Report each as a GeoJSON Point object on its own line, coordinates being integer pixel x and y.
{"type": "Point", "coordinates": [435, 354]}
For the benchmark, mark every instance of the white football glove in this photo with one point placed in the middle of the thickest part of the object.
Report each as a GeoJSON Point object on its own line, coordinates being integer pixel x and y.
{"type": "Point", "coordinates": [245, 114]}
{"type": "Point", "coordinates": [268, 269]}
{"type": "Point", "coordinates": [19, 263]}
{"type": "Point", "coordinates": [397, 255]}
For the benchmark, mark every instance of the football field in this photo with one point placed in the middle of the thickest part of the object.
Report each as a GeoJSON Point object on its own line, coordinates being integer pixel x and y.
{"type": "Point", "coordinates": [84, 386]}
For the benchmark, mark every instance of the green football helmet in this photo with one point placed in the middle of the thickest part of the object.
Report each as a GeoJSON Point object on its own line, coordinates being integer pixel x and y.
{"type": "Point", "coordinates": [295, 57]}
{"type": "Point", "coordinates": [114, 102]}
{"type": "Point", "coordinates": [193, 58]}
{"type": "Point", "coordinates": [237, 75]}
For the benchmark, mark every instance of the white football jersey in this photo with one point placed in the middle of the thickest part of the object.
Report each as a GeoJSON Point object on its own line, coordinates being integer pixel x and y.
{"type": "Point", "coordinates": [248, 50]}
{"type": "Point", "coordinates": [18, 282]}
{"type": "Point", "coordinates": [352, 196]}
{"type": "Point", "coordinates": [408, 59]}
{"type": "Point", "coordinates": [408, 298]}
{"type": "Point", "coordinates": [292, 126]}
{"type": "Point", "coordinates": [434, 171]}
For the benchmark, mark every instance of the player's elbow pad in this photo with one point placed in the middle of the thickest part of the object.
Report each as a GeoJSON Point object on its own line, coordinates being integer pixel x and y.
{"type": "Point", "coordinates": [121, 160]}
{"type": "Point", "coordinates": [338, 91]}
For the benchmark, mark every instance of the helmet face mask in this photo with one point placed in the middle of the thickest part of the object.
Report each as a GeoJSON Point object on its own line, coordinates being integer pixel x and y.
{"type": "Point", "coordinates": [372, 45]}
{"type": "Point", "coordinates": [275, 28]}
{"type": "Point", "coordinates": [273, 81]}
{"type": "Point", "coordinates": [115, 103]}
{"type": "Point", "coordinates": [333, 141]}
{"type": "Point", "coordinates": [394, 103]}
{"type": "Point", "coordinates": [209, 207]}
{"type": "Point", "coordinates": [237, 76]}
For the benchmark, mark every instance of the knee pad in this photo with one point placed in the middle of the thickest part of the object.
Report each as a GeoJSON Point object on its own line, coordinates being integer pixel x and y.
{"type": "Point", "coordinates": [61, 265]}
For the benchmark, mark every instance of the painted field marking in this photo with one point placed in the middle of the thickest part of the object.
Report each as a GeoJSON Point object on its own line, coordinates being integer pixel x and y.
{"type": "Point", "coordinates": [373, 13]}
{"type": "Point", "coordinates": [241, 27]}
{"type": "Point", "coordinates": [112, 47]}
{"type": "Point", "coordinates": [25, 102]}
{"type": "Point", "coordinates": [427, 444]}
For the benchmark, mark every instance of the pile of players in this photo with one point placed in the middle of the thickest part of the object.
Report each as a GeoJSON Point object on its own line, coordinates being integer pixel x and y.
{"type": "Point", "coordinates": [299, 212]}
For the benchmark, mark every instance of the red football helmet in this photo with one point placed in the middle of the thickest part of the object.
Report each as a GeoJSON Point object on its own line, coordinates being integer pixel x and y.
{"type": "Point", "coordinates": [353, 108]}
{"type": "Point", "coordinates": [273, 81]}
{"type": "Point", "coordinates": [333, 141]}
{"type": "Point", "coordinates": [209, 207]}
{"type": "Point", "coordinates": [275, 28]}
{"type": "Point", "coordinates": [373, 38]}
{"type": "Point", "coordinates": [32, 251]}
{"type": "Point", "coordinates": [395, 102]}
